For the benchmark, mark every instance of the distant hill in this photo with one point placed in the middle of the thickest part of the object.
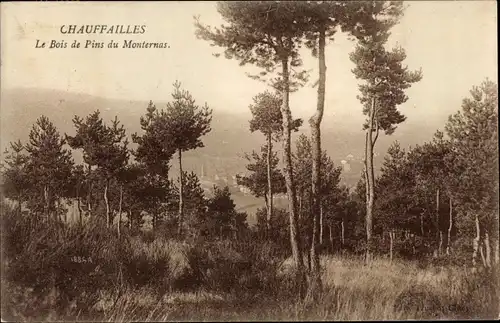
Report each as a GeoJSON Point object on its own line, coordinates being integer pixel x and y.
{"type": "Point", "coordinates": [224, 145]}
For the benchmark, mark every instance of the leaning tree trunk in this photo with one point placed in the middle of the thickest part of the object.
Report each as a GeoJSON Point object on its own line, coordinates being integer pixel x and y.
{"type": "Point", "coordinates": [288, 174]}
{"type": "Point", "coordinates": [315, 123]}
{"type": "Point", "coordinates": [269, 183]}
{"type": "Point", "coordinates": [181, 195]}
{"type": "Point", "coordinates": [106, 200]}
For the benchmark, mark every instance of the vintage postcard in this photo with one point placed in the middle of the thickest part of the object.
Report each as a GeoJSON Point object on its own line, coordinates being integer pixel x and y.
{"type": "Point", "coordinates": [254, 160]}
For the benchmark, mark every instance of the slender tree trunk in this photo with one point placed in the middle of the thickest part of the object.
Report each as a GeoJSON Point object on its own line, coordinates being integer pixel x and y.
{"type": "Point", "coordinates": [487, 249]}
{"type": "Point", "coordinates": [481, 251]}
{"type": "Point", "coordinates": [269, 182]}
{"type": "Point", "coordinates": [438, 226]}
{"type": "Point", "coordinates": [120, 211]}
{"type": "Point", "coordinates": [89, 194]}
{"type": "Point", "coordinates": [422, 224]}
{"type": "Point", "coordinates": [342, 232]}
{"type": "Point", "coordinates": [441, 238]}
{"type": "Point", "coordinates": [450, 226]}
{"type": "Point", "coordinates": [370, 182]}
{"type": "Point", "coordinates": [476, 241]}
{"type": "Point", "coordinates": [321, 225]}
{"type": "Point", "coordinates": [315, 124]}
{"type": "Point", "coordinates": [497, 253]}
{"type": "Point", "coordinates": [20, 204]}
{"type": "Point", "coordinates": [46, 202]}
{"type": "Point", "coordinates": [300, 204]}
{"type": "Point", "coordinates": [58, 203]}
{"type": "Point", "coordinates": [79, 205]}
{"type": "Point", "coordinates": [288, 174]}
{"type": "Point", "coordinates": [181, 197]}
{"type": "Point", "coordinates": [331, 237]}
{"type": "Point", "coordinates": [391, 237]}
{"type": "Point", "coordinates": [266, 201]}
{"type": "Point", "coordinates": [129, 219]}
{"type": "Point", "coordinates": [266, 231]}
{"type": "Point", "coordinates": [108, 217]}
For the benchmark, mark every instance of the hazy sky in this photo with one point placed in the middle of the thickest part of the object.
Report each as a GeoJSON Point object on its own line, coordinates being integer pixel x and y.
{"type": "Point", "coordinates": [454, 42]}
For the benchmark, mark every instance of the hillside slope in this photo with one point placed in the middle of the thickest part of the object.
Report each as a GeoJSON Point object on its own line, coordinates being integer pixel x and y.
{"type": "Point", "coordinates": [221, 158]}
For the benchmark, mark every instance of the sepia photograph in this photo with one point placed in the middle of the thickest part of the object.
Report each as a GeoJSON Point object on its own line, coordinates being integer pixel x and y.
{"type": "Point", "coordinates": [249, 161]}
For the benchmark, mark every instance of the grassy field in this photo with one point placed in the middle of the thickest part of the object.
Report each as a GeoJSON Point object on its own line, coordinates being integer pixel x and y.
{"type": "Point", "coordinates": [72, 273]}
{"type": "Point", "coordinates": [352, 291]}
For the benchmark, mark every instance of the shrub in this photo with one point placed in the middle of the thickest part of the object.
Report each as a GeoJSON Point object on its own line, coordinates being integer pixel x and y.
{"type": "Point", "coordinates": [62, 268]}
{"type": "Point", "coordinates": [231, 266]}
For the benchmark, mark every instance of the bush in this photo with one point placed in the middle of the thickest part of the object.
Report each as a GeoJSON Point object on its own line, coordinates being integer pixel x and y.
{"type": "Point", "coordinates": [62, 269]}
{"type": "Point", "coordinates": [230, 266]}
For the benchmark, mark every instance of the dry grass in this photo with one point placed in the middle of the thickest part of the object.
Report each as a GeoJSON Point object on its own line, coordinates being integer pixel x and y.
{"type": "Point", "coordinates": [175, 251]}
{"type": "Point", "coordinates": [400, 290]}
{"type": "Point", "coordinates": [156, 270]}
{"type": "Point", "coordinates": [352, 291]}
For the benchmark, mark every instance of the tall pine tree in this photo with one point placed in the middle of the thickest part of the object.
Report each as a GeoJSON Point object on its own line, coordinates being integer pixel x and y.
{"type": "Point", "coordinates": [385, 80]}
{"type": "Point", "coordinates": [49, 166]}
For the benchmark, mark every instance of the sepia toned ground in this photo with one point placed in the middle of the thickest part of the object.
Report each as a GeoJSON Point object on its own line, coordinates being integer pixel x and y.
{"type": "Point", "coordinates": [385, 290]}
{"type": "Point", "coordinates": [168, 280]}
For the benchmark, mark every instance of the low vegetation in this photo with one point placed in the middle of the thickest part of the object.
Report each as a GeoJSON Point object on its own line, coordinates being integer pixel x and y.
{"type": "Point", "coordinates": [87, 273]}
{"type": "Point", "coordinates": [418, 241]}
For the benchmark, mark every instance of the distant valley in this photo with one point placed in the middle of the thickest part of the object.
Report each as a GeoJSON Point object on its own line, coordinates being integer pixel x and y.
{"type": "Point", "coordinates": [221, 158]}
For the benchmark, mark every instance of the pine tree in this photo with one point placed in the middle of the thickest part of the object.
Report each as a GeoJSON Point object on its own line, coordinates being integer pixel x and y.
{"type": "Point", "coordinates": [323, 19]}
{"type": "Point", "coordinates": [77, 188]}
{"type": "Point", "coordinates": [432, 169]}
{"type": "Point", "coordinates": [91, 134]}
{"type": "Point", "coordinates": [15, 180]}
{"type": "Point", "coordinates": [194, 204]}
{"type": "Point", "coordinates": [383, 90]}
{"type": "Point", "coordinates": [267, 118]}
{"type": "Point", "coordinates": [473, 134]}
{"type": "Point", "coordinates": [303, 160]}
{"type": "Point", "coordinates": [179, 128]}
{"type": "Point", "coordinates": [112, 157]}
{"type": "Point", "coordinates": [262, 170]}
{"type": "Point", "coordinates": [394, 189]}
{"type": "Point", "coordinates": [153, 154]}
{"type": "Point", "coordinates": [224, 221]}
{"type": "Point", "coordinates": [49, 167]}
{"type": "Point", "coordinates": [268, 35]}
{"type": "Point", "coordinates": [104, 147]}
{"type": "Point", "coordinates": [153, 150]}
